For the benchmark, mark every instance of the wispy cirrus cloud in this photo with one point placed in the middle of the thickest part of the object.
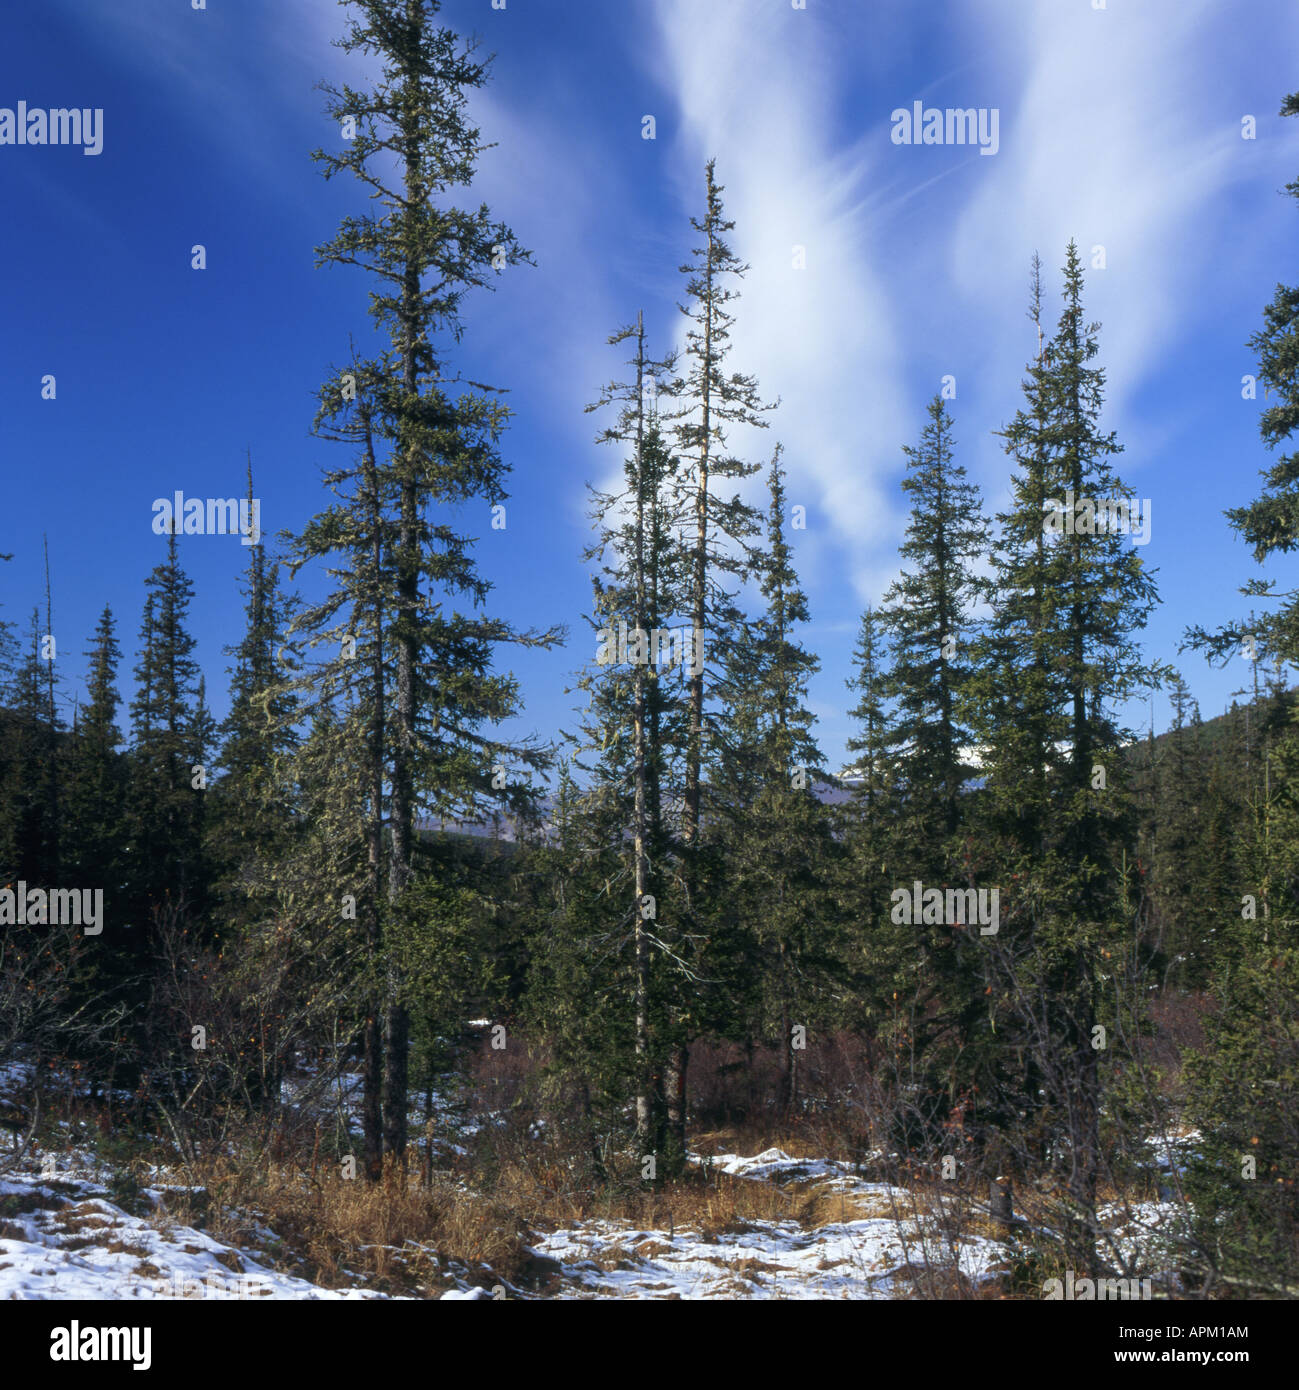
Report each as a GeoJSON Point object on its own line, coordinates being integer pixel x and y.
{"type": "Point", "coordinates": [1108, 139]}
{"type": "Point", "coordinates": [755, 87]}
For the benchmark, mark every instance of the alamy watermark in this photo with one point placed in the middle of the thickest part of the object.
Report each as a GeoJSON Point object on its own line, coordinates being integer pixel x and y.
{"type": "Point", "coordinates": [53, 907]}
{"type": "Point", "coordinates": [952, 907]}
{"type": "Point", "coordinates": [1114, 516]}
{"type": "Point", "coordinates": [77, 1343]}
{"type": "Point", "coordinates": [952, 125]}
{"type": "Point", "coordinates": [1090, 1290]}
{"type": "Point", "coordinates": [63, 125]}
{"type": "Point", "coordinates": [662, 646]}
{"type": "Point", "coordinates": [211, 1285]}
{"type": "Point", "coordinates": [209, 516]}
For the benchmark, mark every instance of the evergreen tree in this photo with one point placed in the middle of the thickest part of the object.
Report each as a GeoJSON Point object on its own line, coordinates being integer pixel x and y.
{"type": "Point", "coordinates": [167, 802]}
{"type": "Point", "coordinates": [1187, 908]}
{"type": "Point", "coordinates": [873, 770]}
{"type": "Point", "coordinates": [869, 829]}
{"type": "Point", "coordinates": [353, 622]}
{"type": "Point", "coordinates": [580, 978]}
{"type": "Point", "coordinates": [1067, 608]}
{"type": "Point", "coordinates": [928, 616]}
{"type": "Point", "coordinates": [774, 834]}
{"type": "Point", "coordinates": [97, 787]}
{"type": "Point", "coordinates": [1017, 688]}
{"type": "Point", "coordinates": [259, 734]}
{"type": "Point", "coordinates": [424, 446]}
{"type": "Point", "coordinates": [52, 760]}
{"type": "Point", "coordinates": [1241, 1087]}
{"type": "Point", "coordinates": [32, 750]}
{"type": "Point", "coordinates": [637, 594]}
{"type": "Point", "coordinates": [714, 402]}
{"type": "Point", "coordinates": [10, 773]}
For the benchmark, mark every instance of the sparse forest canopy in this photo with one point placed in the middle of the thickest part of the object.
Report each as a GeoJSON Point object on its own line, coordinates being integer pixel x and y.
{"type": "Point", "coordinates": [1017, 962]}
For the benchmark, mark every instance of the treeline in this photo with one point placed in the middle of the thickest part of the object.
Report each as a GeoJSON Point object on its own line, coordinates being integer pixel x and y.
{"type": "Point", "coordinates": [1010, 879]}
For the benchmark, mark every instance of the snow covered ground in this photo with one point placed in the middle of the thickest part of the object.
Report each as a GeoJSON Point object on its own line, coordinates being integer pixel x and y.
{"type": "Point", "coordinates": [62, 1237]}
{"type": "Point", "coordinates": [883, 1240]}
{"type": "Point", "coordinates": [69, 1230]}
{"type": "Point", "coordinates": [772, 1259]}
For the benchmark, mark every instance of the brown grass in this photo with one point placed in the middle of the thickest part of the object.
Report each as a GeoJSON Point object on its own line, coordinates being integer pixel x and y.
{"type": "Point", "coordinates": [21, 1203]}
{"type": "Point", "coordinates": [709, 1205]}
{"type": "Point", "coordinates": [399, 1236]}
{"type": "Point", "coordinates": [113, 1247]}
{"type": "Point", "coordinates": [82, 1217]}
{"type": "Point", "coordinates": [396, 1235]}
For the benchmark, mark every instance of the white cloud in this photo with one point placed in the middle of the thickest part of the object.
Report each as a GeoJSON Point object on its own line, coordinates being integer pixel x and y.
{"type": "Point", "coordinates": [753, 88]}
{"type": "Point", "coordinates": [1107, 139]}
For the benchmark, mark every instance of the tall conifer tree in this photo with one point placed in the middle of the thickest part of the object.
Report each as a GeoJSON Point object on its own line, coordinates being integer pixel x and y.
{"type": "Point", "coordinates": [928, 616]}
{"type": "Point", "coordinates": [717, 529]}
{"type": "Point", "coordinates": [632, 701]}
{"type": "Point", "coordinates": [165, 720]}
{"type": "Point", "coordinates": [429, 441]}
{"type": "Point", "coordinates": [1069, 593]}
{"type": "Point", "coordinates": [259, 735]}
{"type": "Point", "coordinates": [1242, 1086]}
{"type": "Point", "coordinates": [96, 792]}
{"type": "Point", "coordinates": [774, 833]}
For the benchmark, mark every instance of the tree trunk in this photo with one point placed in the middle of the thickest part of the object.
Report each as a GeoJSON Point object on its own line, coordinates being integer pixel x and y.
{"type": "Point", "coordinates": [372, 1065]}
{"type": "Point", "coordinates": [396, 1046]}
{"type": "Point", "coordinates": [645, 1137]}
{"type": "Point", "coordinates": [396, 1023]}
{"type": "Point", "coordinates": [1000, 1203]}
{"type": "Point", "coordinates": [674, 1085]}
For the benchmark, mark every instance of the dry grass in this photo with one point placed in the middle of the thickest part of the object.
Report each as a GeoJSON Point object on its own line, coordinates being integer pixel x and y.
{"type": "Point", "coordinates": [522, 1176]}
{"type": "Point", "coordinates": [112, 1247]}
{"type": "Point", "coordinates": [83, 1216]}
{"type": "Point", "coordinates": [945, 1283]}
{"type": "Point", "coordinates": [804, 1141]}
{"type": "Point", "coordinates": [22, 1203]}
{"type": "Point", "coordinates": [824, 1208]}
{"type": "Point", "coordinates": [397, 1236]}
{"type": "Point", "coordinates": [707, 1204]}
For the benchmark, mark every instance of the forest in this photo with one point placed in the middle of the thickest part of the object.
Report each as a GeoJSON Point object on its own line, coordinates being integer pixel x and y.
{"type": "Point", "coordinates": [352, 993]}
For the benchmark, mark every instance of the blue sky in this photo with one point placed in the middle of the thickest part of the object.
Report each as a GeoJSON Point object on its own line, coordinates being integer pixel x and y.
{"type": "Point", "coordinates": [1120, 127]}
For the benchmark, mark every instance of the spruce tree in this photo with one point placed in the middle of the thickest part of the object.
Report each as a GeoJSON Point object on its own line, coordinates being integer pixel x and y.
{"type": "Point", "coordinates": [868, 822]}
{"type": "Point", "coordinates": [872, 771]}
{"type": "Point", "coordinates": [1069, 595]}
{"type": "Point", "coordinates": [581, 979]}
{"type": "Point", "coordinates": [928, 617]}
{"type": "Point", "coordinates": [259, 735]}
{"type": "Point", "coordinates": [428, 441]}
{"type": "Point", "coordinates": [166, 802]}
{"type": "Point", "coordinates": [1241, 1087]}
{"type": "Point", "coordinates": [346, 690]}
{"type": "Point", "coordinates": [637, 594]}
{"type": "Point", "coordinates": [774, 834]}
{"type": "Point", "coordinates": [1017, 688]}
{"type": "Point", "coordinates": [712, 403]}
{"type": "Point", "coordinates": [33, 750]}
{"type": "Point", "coordinates": [1186, 904]}
{"type": "Point", "coordinates": [97, 788]}
{"type": "Point", "coordinates": [97, 838]}
{"type": "Point", "coordinates": [10, 773]}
